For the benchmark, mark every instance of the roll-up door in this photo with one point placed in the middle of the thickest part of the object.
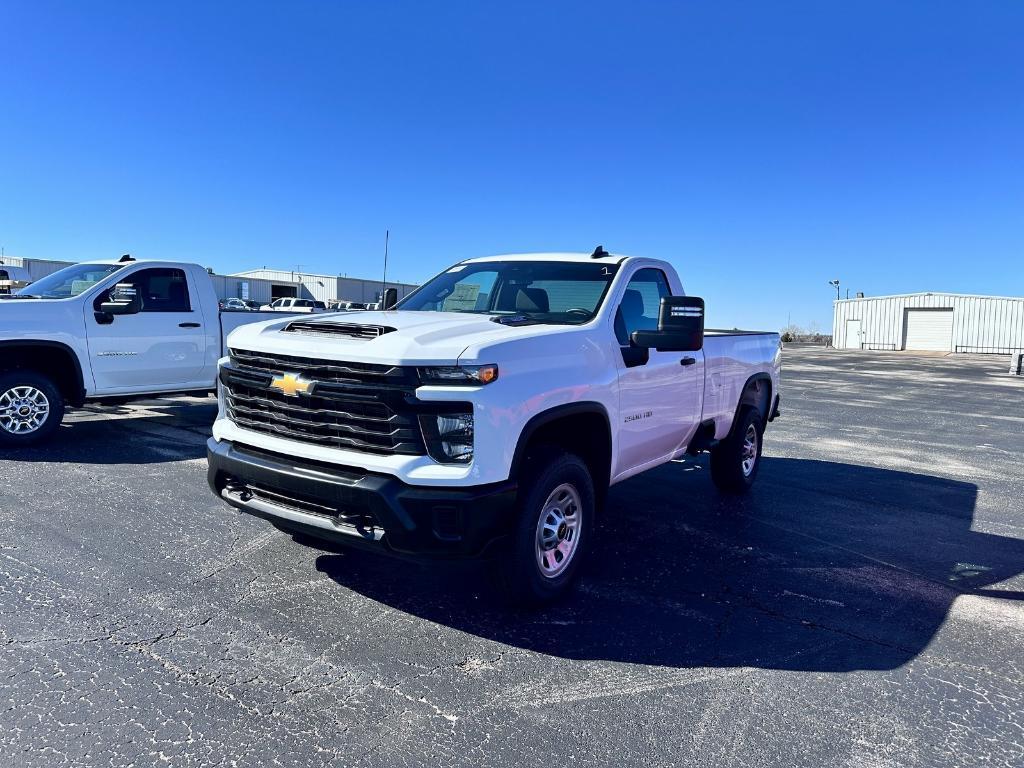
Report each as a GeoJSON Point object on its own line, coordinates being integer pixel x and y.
{"type": "Point", "coordinates": [930, 330]}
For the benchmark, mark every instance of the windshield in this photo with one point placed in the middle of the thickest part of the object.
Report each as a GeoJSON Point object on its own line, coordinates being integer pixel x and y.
{"type": "Point", "coordinates": [545, 291]}
{"type": "Point", "coordinates": [69, 281]}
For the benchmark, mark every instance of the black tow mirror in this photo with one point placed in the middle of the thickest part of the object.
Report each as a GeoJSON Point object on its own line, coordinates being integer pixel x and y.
{"type": "Point", "coordinates": [389, 299]}
{"type": "Point", "coordinates": [680, 326]}
{"type": "Point", "coordinates": [124, 299]}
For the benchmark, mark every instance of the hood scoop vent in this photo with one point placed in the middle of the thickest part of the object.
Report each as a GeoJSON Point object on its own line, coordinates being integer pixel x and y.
{"type": "Point", "coordinates": [350, 330]}
{"type": "Point", "coordinates": [514, 320]}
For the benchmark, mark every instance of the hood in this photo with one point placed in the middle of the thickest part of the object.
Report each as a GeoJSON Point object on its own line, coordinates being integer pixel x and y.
{"type": "Point", "coordinates": [404, 337]}
{"type": "Point", "coordinates": [40, 319]}
{"type": "Point", "coordinates": [11, 301]}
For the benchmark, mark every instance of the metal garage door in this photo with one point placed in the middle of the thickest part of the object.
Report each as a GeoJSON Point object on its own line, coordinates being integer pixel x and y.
{"type": "Point", "coordinates": [930, 329]}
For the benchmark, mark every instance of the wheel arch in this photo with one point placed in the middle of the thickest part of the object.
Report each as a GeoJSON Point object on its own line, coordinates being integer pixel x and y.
{"type": "Point", "coordinates": [51, 358]}
{"type": "Point", "coordinates": [582, 428]}
{"type": "Point", "coordinates": [757, 391]}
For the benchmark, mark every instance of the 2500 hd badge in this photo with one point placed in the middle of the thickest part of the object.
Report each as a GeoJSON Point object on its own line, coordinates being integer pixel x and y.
{"type": "Point", "coordinates": [638, 416]}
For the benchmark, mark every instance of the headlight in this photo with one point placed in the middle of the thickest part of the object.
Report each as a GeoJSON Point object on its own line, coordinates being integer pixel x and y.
{"type": "Point", "coordinates": [459, 374]}
{"type": "Point", "coordinates": [448, 436]}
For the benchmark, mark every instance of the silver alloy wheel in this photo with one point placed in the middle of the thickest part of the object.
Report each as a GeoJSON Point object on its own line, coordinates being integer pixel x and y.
{"type": "Point", "coordinates": [558, 530]}
{"type": "Point", "coordinates": [23, 410]}
{"type": "Point", "coordinates": [749, 450]}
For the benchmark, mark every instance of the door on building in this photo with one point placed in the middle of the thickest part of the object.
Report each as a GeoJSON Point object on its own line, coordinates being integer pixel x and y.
{"type": "Point", "coordinates": [853, 339]}
{"type": "Point", "coordinates": [929, 330]}
{"type": "Point", "coordinates": [282, 292]}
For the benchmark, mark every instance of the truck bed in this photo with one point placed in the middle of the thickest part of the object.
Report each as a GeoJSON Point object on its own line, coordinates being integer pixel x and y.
{"type": "Point", "coordinates": [731, 357]}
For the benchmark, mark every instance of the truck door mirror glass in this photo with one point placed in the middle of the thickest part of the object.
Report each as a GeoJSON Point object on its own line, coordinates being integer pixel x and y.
{"type": "Point", "coordinates": [680, 326]}
{"type": "Point", "coordinates": [124, 299]}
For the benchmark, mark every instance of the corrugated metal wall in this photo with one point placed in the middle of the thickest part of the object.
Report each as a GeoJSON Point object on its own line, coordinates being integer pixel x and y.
{"type": "Point", "coordinates": [329, 288]}
{"type": "Point", "coordinates": [228, 287]}
{"type": "Point", "coordinates": [980, 323]}
{"type": "Point", "coordinates": [37, 268]}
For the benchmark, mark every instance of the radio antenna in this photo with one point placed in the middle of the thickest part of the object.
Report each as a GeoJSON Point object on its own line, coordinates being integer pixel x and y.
{"type": "Point", "coordinates": [384, 282]}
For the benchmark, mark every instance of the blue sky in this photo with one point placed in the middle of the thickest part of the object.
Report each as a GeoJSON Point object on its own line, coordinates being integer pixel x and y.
{"type": "Point", "coordinates": [763, 148]}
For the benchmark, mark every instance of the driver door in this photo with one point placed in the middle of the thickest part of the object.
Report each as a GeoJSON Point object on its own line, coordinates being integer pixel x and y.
{"type": "Point", "coordinates": [660, 393]}
{"type": "Point", "coordinates": [161, 347]}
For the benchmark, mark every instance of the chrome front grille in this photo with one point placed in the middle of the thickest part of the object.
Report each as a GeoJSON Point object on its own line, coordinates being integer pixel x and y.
{"type": "Point", "coordinates": [356, 406]}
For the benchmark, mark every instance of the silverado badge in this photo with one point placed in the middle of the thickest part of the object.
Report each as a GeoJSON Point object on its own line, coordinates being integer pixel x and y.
{"type": "Point", "coordinates": [291, 384]}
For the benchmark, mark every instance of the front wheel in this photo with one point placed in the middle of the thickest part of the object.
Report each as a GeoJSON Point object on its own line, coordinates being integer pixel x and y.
{"type": "Point", "coordinates": [31, 408]}
{"type": "Point", "coordinates": [735, 460]}
{"type": "Point", "coordinates": [553, 530]}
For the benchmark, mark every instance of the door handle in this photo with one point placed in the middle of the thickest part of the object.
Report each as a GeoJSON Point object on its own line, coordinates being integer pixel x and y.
{"type": "Point", "coordinates": [687, 361]}
{"type": "Point", "coordinates": [188, 325]}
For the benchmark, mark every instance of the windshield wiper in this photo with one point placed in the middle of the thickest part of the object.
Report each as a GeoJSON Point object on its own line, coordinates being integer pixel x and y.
{"type": "Point", "coordinates": [19, 296]}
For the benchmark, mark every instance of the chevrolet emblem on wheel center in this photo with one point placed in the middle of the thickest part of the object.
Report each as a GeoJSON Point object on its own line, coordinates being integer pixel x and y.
{"type": "Point", "coordinates": [291, 384]}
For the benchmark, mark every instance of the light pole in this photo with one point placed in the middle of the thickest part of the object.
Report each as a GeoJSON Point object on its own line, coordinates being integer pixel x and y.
{"type": "Point", "coordinates": [835, 284]}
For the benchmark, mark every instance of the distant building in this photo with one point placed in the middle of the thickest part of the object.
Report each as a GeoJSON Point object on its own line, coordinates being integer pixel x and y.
{"type": "Point", "coordinates": [262, 285]}
{"type": "Point", "coordinates": [326, 288]}
{"type": "Point", "coordinates": [12, 278]}
{"type": "Point", "coordinates": [938, 322]}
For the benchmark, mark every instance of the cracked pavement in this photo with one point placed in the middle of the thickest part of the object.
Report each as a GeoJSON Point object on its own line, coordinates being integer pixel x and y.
{"type": "Point", "coordinates": [863, 606]}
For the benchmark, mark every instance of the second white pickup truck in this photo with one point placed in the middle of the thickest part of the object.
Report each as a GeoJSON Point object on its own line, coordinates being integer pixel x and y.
{"type": "Point", "coordinates": [106, 329]}
{"type": "Point", "coordinates": [490, 412]}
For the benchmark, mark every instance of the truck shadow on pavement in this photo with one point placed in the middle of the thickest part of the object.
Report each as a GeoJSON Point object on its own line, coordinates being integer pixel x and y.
{"type": "Point", "coordinates": [824, 566]}
{"type": "Point", "coordinates": [150, 433]}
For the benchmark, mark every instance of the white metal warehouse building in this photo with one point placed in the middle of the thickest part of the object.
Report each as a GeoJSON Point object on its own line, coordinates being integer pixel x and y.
{"type": "Point", "coordinates": [937, 322]}
{"type": "Point", "coordinates": [320, 287]}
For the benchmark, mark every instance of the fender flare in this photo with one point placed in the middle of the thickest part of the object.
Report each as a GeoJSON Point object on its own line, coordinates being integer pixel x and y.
{"type": "Point", "coordinates": [762, 376]}
{"type": "Point", "coordinates": [79, 380]}
{"type": "Point", "coordinates": [554, 414]}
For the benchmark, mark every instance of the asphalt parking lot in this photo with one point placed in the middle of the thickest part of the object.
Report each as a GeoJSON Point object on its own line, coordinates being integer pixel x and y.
{"type": "Point", "coordinates": [864, 606]}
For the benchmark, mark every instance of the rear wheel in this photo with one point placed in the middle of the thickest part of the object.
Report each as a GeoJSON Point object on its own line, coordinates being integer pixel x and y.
{"type": "Point", "coordinates": [31, 408]}
{"type": "Point", "coordinates": [553, 529]}
{"type": "Point", "coordinates": [735, 460]}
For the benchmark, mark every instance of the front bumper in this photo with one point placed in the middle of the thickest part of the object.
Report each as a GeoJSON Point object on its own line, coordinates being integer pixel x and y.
{"type": "Point", "coordinates": [350, 506]}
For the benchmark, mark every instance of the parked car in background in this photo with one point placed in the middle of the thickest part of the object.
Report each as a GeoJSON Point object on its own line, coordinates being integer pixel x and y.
{"type": "Point", "coordinates": [102, 330]}
{"type": "Point", "coordinates": [490, 412]}
{"type": "Point", "coordinates": [350, 305]}
{"type": "Point", "coordinates": [236, 305]}
{"type": "Point", "coordinates": [290, 304]}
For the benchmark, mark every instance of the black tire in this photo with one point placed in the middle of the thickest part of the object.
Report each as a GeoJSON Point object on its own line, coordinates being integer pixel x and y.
{"type": "Point", "coordinates": [727, 458]}
{"type": "Point", "coordinates": [520, 574]}
{"type": "Point", "coordinates": [12, 436]}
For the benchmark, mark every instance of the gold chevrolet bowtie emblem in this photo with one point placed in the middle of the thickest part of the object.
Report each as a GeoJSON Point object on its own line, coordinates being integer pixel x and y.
{"type": "Point", "coordinates": [291, 384]}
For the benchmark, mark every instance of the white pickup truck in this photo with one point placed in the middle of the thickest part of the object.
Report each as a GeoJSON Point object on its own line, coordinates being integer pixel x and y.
{"type": "Point", "coordinates": [106, 329]}
{"type": "Point", "coordinates": [489, 412]}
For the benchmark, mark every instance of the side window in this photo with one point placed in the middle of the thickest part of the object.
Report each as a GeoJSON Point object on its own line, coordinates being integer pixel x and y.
{"type": "Point", "coordinates": [640, 304]}
{"type": "Point", "coordinates": [162, 290]}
